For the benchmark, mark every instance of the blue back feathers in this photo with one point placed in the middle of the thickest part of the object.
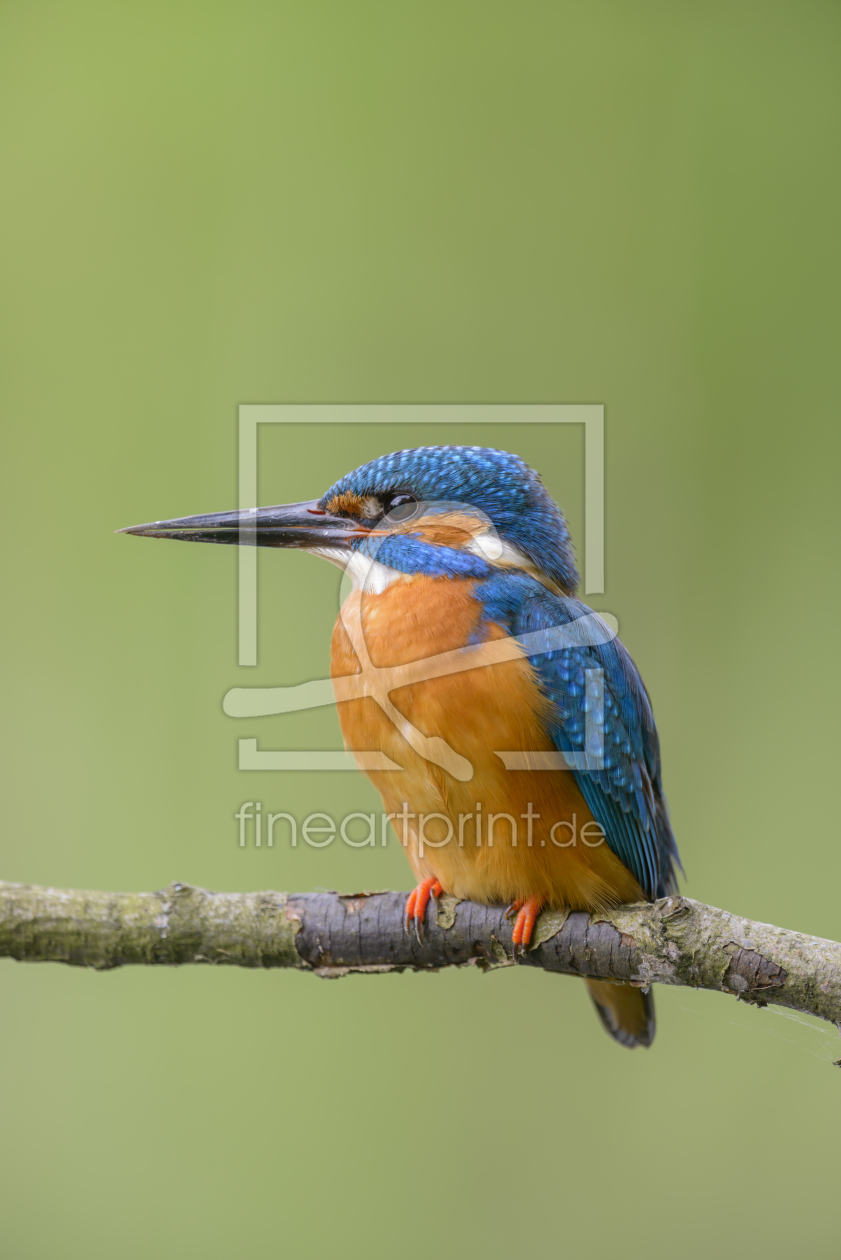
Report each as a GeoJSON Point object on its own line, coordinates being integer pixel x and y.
{"type": "Point", "coordinates": [599, 682]}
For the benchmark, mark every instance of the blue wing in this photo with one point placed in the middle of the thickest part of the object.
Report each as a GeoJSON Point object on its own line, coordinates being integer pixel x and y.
{"type": "Point", "coordinates": [602, 713]}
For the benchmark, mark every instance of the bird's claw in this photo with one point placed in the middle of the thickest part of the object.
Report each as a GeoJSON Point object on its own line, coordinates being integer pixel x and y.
{"type": "Point", "coordinates": [416, 905]}
{"type": "Point", "coordinates": [527, 909]}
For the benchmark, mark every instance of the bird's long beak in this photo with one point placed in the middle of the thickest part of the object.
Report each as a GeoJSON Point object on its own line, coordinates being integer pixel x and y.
{"type": "Point", "coordinates": [289, 525]}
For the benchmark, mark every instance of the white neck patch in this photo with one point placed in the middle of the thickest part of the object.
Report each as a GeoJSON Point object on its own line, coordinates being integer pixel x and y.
{"type": "Point", "coordinates": [504, 555]}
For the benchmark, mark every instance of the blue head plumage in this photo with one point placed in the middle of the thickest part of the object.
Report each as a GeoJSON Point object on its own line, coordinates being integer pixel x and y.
{"type": "Point", "coordinates": [494, 485]}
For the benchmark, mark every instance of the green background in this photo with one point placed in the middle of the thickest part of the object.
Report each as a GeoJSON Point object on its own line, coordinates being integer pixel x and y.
{"type": "Point", "coordinates": [209, 204]}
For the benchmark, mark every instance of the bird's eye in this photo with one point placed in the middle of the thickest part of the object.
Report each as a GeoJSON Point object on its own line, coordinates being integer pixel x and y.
{"type": "Point", "coordinates": [400, 507]}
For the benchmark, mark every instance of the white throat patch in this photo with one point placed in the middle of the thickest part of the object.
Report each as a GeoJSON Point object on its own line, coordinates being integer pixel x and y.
{"type": "Point", "coordinates": [364, 573]}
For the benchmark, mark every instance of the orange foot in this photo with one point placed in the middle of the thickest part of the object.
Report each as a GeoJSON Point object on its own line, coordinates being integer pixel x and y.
{"type": "Point", "coordinates": [527, 909]}
{"type": "Point", "coordinates": [417, 903]}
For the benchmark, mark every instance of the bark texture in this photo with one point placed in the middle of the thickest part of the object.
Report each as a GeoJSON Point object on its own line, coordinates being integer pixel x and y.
{"type": "Point", "coordinates": [674, 941]}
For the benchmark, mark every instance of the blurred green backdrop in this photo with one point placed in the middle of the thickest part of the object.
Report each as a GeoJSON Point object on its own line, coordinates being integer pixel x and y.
{"type": "Point", "coordinates": [208, 204]}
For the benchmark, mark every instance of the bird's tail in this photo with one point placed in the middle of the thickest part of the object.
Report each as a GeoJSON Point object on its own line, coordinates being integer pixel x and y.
{"type": "Point", "coordinates": [626, 1012]}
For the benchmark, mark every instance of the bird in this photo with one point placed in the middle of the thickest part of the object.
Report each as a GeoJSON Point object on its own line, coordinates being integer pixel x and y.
{"type": "Point", "coordinates": [463, 599]}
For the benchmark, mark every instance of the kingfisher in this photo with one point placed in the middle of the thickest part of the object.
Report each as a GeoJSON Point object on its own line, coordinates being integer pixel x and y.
{"type": "Point", "coordinates": [492, 691]}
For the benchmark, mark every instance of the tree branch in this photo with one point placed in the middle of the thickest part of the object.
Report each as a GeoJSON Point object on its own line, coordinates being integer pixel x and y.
{"type": "Point", "coordinates": [674, 941]}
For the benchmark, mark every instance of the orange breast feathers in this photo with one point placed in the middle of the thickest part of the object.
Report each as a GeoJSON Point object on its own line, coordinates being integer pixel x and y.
{"type": "Point", "coordinates": [496, 835]}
